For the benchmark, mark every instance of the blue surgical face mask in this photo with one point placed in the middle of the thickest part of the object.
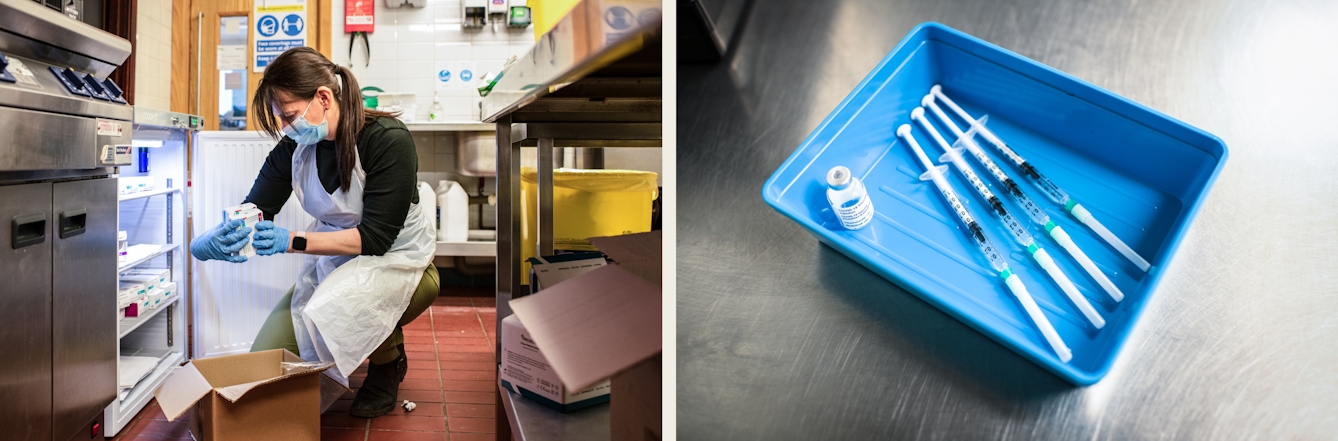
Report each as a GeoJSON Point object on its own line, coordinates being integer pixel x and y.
{"type": "Point", "coordinates": [303, 132]}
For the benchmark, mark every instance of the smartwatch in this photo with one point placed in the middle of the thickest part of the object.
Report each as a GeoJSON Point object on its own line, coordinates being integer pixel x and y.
{"type": "Point", "coordinates": [299, 241]}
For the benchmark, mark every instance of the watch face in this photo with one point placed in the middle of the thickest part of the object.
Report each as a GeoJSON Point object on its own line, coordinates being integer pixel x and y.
{"type": "Point", "coordinates": [300, 243]}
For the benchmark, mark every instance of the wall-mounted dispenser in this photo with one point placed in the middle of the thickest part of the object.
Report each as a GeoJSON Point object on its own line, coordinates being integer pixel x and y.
{"type": "Point", "coordinates": [519, 15]}
{"type": "Point", "coordinates": [475, 13]}
{"type": "Point", "coordinates": [497, 11]}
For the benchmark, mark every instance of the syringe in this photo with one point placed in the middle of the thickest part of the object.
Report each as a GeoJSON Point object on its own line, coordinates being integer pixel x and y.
{"type": "Point", "coordinates": [1014, 227]}
{"type": "Point", "coordinates": [1051, 190]}
{"type": "Point", "coordinates": [977, 235]}
{"type": "Point", "coordinates": [1033, 211]}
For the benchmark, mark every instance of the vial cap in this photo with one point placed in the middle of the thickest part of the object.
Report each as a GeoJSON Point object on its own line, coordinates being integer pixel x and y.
{"type": "Point", "coordinates": [838, 177]}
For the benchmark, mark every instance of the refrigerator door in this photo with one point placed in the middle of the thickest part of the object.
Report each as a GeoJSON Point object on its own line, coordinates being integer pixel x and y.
{"type": "Point", "coordinates": [25, 311]}
{"type": "Point", "coordinates": [83, 303]}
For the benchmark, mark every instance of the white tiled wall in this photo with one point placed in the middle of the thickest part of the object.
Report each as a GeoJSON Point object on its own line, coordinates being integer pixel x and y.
{"type": "Point", "coordinates": [408, 42]}
{"type": "Point", "coordinates": [153, 54]}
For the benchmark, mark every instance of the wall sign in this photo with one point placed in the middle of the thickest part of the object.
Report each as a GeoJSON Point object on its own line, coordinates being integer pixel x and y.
{"type": "Point", "coordinates": [280, 25]}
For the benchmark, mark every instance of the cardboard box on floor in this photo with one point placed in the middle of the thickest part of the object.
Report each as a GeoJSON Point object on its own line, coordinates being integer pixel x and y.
{"type": "Point", "coordinates": [267, 395]}
{"type": "Point", "coordinates": [606, 324]}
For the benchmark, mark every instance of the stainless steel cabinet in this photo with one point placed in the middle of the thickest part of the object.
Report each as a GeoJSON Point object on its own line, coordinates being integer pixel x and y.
{"type": "Point", "coordinates": [57, 308]}
{"type": "Point", "coordinates": [83, 303]}
{"type": "Point", "coordinates": [25, 312]}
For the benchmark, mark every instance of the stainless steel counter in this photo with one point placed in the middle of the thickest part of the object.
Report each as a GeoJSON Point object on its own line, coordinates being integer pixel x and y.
{"type": "Point", "coordinates": [780, 337]}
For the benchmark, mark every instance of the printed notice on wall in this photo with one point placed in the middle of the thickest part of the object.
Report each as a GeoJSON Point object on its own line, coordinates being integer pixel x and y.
{"type": "Point", "coordinates": [232, 57]}
{"type": "Point", "coordinates": [280, 25]}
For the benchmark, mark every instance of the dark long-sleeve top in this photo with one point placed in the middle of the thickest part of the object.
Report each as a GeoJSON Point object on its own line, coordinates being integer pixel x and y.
{"type": "Point", "coordinates": [388, 157]}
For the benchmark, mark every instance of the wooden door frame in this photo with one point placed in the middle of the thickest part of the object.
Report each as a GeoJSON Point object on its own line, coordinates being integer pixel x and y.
{"type": "Point", "coordinates": [188, 93]}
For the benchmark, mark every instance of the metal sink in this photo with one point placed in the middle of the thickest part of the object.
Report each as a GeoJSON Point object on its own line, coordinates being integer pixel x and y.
{"type": "Point", "coordinates": [476, 154]}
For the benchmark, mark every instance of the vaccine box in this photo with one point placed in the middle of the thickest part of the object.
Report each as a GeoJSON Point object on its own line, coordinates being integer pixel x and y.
{"type": "Point", "coordinates": [525, 371]}
{"type": "Point", "coordinates": [249, 214]}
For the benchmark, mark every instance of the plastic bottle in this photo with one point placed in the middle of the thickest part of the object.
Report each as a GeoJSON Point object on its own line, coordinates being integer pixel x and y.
{"type": "Point", "coordinates": [453, 204]}
{"type": "Point", "coordinates": [427, 198]}
{"type": "Point", "coordinates": [849, 199]}
{"type": "Point", "coordinates": [435, 112]}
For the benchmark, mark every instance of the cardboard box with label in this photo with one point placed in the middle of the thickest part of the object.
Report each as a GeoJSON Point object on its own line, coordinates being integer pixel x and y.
{"type": "Point", "coordinates": [605, 325]}
{"type": "Point", "coordinates": [267, 395]}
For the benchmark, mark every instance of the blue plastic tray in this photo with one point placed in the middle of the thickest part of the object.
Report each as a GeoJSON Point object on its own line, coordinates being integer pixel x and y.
{"type": "Point", "coordinates": [1142, 173]}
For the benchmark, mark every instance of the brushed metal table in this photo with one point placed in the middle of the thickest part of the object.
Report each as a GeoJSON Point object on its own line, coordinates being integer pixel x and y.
{"type": "Point", "coordinates": [782, 338]}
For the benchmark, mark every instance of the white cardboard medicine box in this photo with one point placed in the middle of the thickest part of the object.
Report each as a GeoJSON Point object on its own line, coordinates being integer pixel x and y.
{"type": "Point", "coordinates": [526, 372]}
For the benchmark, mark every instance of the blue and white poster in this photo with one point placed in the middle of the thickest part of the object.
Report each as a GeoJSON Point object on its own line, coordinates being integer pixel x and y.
{"type": "Point", "coordinates": [280, 25]}
{"type": "Point", "coordinates": [447, 76]}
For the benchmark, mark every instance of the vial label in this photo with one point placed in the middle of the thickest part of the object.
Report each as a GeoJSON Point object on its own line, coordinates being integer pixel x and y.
{"type": "Point", "coordinates": [855, 213]}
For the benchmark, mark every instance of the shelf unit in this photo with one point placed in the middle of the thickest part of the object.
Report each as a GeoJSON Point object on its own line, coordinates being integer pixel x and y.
{"type": "Point", "coordinates": [155, 221]}
{"type": "Point", "coordinates": [609, 97]}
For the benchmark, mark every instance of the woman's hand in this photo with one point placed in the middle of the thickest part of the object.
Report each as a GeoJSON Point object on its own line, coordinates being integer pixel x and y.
{"type": "Point", "coordinates": [220, 242]}
{"type": "Point", "coordinates": [270, 239]}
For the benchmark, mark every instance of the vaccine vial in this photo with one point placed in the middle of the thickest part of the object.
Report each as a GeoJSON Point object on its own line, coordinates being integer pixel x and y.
{"type": "Point", "coordinates": [849, 199]}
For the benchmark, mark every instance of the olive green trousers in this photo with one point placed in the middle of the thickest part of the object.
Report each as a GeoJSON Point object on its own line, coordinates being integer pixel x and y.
{"type": "Point", "coordinates": [277, 332]}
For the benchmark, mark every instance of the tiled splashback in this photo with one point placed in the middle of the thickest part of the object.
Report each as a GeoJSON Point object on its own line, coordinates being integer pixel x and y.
{"type": "Point", "coordinates": [153, 54]}
{"type": "Point", "coordinates": [410, 44]}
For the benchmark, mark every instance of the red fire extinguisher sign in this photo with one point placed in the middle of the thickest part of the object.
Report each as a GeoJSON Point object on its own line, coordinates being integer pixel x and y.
{"type": "Point", "coordinates": [359, 15]}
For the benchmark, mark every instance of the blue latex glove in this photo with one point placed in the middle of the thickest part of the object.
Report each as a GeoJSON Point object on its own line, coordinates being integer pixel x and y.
{"type": "Point", "coordinates": [269, 239]}
{"type": "Point", "coordinates": [220, 242]}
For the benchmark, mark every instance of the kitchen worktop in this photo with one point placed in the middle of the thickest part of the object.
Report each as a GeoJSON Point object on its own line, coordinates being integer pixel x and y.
{"type": "Point", "coordinates": [780, 337]}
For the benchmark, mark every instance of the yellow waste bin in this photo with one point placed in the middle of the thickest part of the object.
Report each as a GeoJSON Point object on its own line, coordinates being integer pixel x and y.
{"type": "Point", "coordinates": [586, 203]}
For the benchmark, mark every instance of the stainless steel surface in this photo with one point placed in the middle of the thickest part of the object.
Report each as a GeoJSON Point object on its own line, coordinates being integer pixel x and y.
{"type": "Point", "coordinates": [25, 309]}
{"type": "Point", "coordinates": [544, 243]}
{"type": "Point", "coordinates": [531, 421]}
{"type": "Point", "coordinates": [35, 30]}
{"type": "Point", "coordinates": [48, 95]}
{"type": "Point", "coordinates": [782, 338]}
{"type": "Point", "coordinates": [476, 154]}
{"type": "Point", "coordinates": [582, 42]}
{"type": "Point", "coordinates": [448, 126]}
{"type": "Point", "coordinates": [46, 141]}
{"type": "Point", "coordinates": [508, 224]}
{"type": "Point", "coordinates": [83, 310]}
{"type": "Point", "coordinates": [163, 119]}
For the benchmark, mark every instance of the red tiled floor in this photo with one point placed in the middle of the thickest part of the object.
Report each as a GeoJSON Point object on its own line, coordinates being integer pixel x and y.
{"type": "Point", "coordinates": [429, 364]}
{"type": "Point", "coordinates": [468, 386]}
{"type": "Point", "coordinates": [423, 410]}
{"type": "Point", "coordinates": [471, 397]}
{"type": "Point", "coordinates": [468, 366]}
{"type": "Point", "coordinates": [451, 372]}
{"type": "Point", "coordinates": [421, 396]}
{"type": "Point", "coordinates": [470, 411]}
{"type": "Point", "coordinates": [421, 374]}
{"type": "Point", "coordinates": [474, 425]}
{"type": "Point", "coordinates": [409, 423]}
{"type": "Point", "coordinates": [477, 340]}
{"type": "Point", "coordinates": [418, 339]}
{"type": "Point", "coordinates": [418, 347]}
{"type": "Point", "coordinates": [413, 355]}
{"type": "Point", "coordinates": [465, 356]}
{"type": "Point", "coordinates": [420, 384]}
{"type": "Point", "coordinates": [473, 437]}
{"type": "Point", "coordinates": [379, 435]}
{"type": "Point", "coordinates": [469, 375]}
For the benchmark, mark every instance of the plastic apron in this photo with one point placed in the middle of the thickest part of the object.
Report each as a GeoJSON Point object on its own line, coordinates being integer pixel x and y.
{"type": "Point", "coordinates": [344, 307]}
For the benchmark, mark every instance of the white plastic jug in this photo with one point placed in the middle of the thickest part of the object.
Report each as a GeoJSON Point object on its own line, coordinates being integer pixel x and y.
{"type": "Point", "coordinates": [428, 199]}
{"type": "Point", "coordinates": [453, 206]}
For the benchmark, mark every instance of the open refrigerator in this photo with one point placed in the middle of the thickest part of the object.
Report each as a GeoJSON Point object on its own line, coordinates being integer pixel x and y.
{"type": "Point", "coordinates": [219, 306]}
